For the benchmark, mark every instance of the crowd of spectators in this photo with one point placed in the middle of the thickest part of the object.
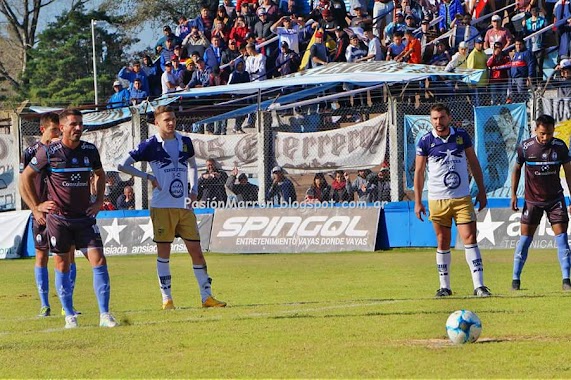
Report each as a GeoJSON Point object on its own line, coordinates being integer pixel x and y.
{"type": "Point", "coordinates": [254, 40]}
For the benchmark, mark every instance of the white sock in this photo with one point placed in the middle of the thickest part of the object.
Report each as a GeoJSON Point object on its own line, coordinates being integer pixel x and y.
{"type": "Point", "coordinates": [443, 259]}
{"type": "Point", "coordinates": [203, 280]}
{"type": "Point", "coordinates": [164, 273]}
{"type": "Point", "coordinates": [474, 260]}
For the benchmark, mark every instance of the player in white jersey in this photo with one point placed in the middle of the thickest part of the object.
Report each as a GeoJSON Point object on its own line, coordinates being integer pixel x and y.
{"type": "Point", "coordinates": [171, 157]}
{"type": "Point", "coordinates": [446, 152]}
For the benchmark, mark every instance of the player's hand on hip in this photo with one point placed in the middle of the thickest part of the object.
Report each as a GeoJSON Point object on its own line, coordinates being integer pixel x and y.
{"type": "Point", "coordinates": [46, 206]}
{"type": "Point", "coordinates": [39, 216]}
{"type": "Point", "coordinates": [94, 209]}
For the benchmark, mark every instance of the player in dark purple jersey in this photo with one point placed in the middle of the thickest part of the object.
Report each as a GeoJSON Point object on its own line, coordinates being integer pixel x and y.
{"type": "Point", "coordinates": [70, 215]}
{"type": "Point", "coordinates": [49, 127]}
{"type": "Point", "coordinates": [543, 156]}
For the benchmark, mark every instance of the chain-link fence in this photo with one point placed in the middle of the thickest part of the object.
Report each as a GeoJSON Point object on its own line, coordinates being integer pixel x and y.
{"type": "Point", "coordinates": [334, 144]}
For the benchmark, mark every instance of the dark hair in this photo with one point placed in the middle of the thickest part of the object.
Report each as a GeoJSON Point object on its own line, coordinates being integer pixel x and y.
{"type": "Point", "coordinates": [439, 107]}
{"type": "Point", "coordinates": [162, 109]}
{"type": "Point", "coordinates": [398, 33]}
{"type": "Point", "coordinates": [520, 39]}
{"type": "Point", "coordinates": [47, 118]}
{"type": "Point", "coordinates": [546, 121]}
{"type": "Point", "coordinates": [68, 112]}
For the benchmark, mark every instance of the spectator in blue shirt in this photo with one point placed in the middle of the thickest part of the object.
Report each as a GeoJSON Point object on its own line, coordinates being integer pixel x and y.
{"type": "Point", "coordinates": [137, 94]}
{"type": "Point", "coordinates": [120, 98]}
{"type": "Point", "coordinates": [282, 190]}
{"type": "Point", "coordinates": [134, 72]}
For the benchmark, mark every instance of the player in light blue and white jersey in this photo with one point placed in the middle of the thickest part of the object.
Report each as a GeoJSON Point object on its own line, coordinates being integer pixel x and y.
{"type": "Point", "coordinates": [446, 152]}
{"type": "Point", "coordinates": [171, 157]}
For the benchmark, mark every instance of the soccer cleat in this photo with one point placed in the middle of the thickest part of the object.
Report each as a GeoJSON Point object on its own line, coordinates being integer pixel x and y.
{"type": "Point", "coordinates": [75, 312]}
{"type": "Point", "coordinates": [168, 305]}
{"type": "Point", "coordinates": [71, 322]}
{"type": "Point", "coordinates": [482, 291]}
{"type": "Point", "coordinates": [213, 302]}
{"type": "Point", "coordinates": [107, 320]}
{"type": "Point", "coordinates": [45, 311]}
{"type": "Point", "coordinates": [516, 284]}
{"type": "Point", "coordinates": [566, 284]}
{"type": "Point", "coordinates": [443, 292]}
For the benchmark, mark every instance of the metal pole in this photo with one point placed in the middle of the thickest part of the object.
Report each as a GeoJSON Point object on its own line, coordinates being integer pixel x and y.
{"type": "Point", "coordinates": [93, 23]}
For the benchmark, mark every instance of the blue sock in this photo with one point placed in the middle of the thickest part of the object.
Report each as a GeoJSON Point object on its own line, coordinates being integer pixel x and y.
{"type": "Point", "coordinates": [72, 275]}
{"type": "Point", "coordinates": [520, 255]}
{"type": "Point", "coordinates": [563, 253]}
{"type": "Point", "coordinates": [63, 287]}
{"type": "Point", "coordinates": [43, 284]}
{"type": "Point", "coordinates": [102, 287]}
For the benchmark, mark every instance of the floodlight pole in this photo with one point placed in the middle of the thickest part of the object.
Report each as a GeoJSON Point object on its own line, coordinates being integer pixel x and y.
{"type": "Point", "coordinates": [93, 23]}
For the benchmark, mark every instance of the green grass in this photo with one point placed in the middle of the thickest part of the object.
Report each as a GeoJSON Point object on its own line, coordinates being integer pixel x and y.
{"type": "Point", "coordinates": [349, 315]}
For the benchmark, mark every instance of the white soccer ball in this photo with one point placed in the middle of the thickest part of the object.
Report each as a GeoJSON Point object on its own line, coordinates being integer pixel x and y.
{"type": "Point", "coordinates": [463, 326]}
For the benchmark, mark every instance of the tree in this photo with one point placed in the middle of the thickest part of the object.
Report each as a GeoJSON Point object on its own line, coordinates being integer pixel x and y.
{"type": "Point", "coordinates": [60, 70]}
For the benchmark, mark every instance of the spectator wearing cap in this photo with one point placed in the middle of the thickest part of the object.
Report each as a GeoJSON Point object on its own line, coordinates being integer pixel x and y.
{"type": "Point", "coordinates": [361, 19]}
{"type": "Point", "coordinates": [448, 9]}
{"type": "Point", "coordinates": [459, 60]}
{"type": "Point", "coordinates": [178, 70]}
{"type": "Point", "coordinates": [179, 53]}
{"type": "Point", "coordinates": [341, 43]}
{"type": "Point", "coordinates": [195, 42]}
{"type": "Point", "coordinates": [168, 79]}
{"type": "Point", "coordinates": [426, 35]}
{"type": "Point", "coordinates": [287, 30]}
{"type": "Point", "coordinates": [249, 13]}
{"type": "Point", "coordinates": [244, 190]}
{"type": "Point", "coordinates": [535, 43]}
{"type": "Point", "coordinates": [282, 191]}
{"type": "Point", "coordinates": [183, 28]}
{"type": "Point", "coordinates": [201, 75]}
{"type": "Point", "coordinates": [167, 33]}
{"type": "Point", "coordinates": [328, 22]}
{"type": "Point", "coordinates": [136, 93]}
{"type": "Point", "coordinates": [255, 63]}
{"type": "Point", "coordinates": [564, 84]}
{"type": "Point", "coordinates": [411, 8]}
{"type": "Point", "coordinates": [397, 25]}
{"type": "Point", "coordinates": [441, 56]}
{"type": "Point", "coordinates": [287, 61]}
{"type": "Point", "coordinates": [355, 51]}
{"type": "Point", "coordinates": [362, 5]}
{"type": "Point", "coordinates": [120, 97]}
{"type": "Point", "coordinates": [229, 56]}
{"type": "Point", "coordinates": [262, 28]}
{"type": "Point", "coordinates": [250, 3]}
{"type": "Point", "coordinates": [497, 34]}
{"type": "Point", "coordinates": [498, 64]}
{"type": "Point", "coordinates": [167, 53]}
{"type": "Point", "coordinates": [187, 74]}
{"type": "Point", "coordinates": [379, 186]}
{"type": "Point", "coordinates": [318, 51]}
{"type": "Point", "coordinates": [239, 31]}
{"type": "Point", "coordinates": [410, 22]}
{"type": "Point", "coordinates": [521, 72]}
{"type": "Point", "coordinates": [213, 54]}
{"type": "Point", "coordinates": [132, 72]}
{"type": "Point", "coordinates": [477, 59]}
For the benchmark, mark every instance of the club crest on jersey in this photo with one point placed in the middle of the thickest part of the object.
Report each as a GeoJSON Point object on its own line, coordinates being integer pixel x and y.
{"type": "Point", "coordinates": [459, 140]}
{"type": "Point", "coordinates": [177, 188]}
{"type": "Point", "coordinates": [74, 161]}
{"type": "Point", "coordinates": [86, 161]}
{"type": "Point", "coordinates": [544, 156]}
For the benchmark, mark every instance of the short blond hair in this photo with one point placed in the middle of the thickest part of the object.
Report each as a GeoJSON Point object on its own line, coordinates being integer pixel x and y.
{"type": "Point", "coordinates": [162, 109]}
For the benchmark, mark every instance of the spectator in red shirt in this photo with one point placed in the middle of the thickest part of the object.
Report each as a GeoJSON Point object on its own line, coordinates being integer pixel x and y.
{"type": "Point", "coordinates": [499, 64]}
{"type": "Point", "coordinates": [412, 51]}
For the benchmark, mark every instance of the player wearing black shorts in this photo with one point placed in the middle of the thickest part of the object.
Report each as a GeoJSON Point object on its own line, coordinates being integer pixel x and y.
{"type": "Point", "coordinates": [543, 156]}
{"type": "Point", "coordinates": [70, 217]}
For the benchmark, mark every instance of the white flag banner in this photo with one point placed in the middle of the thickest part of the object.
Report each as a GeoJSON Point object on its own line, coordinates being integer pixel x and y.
{"type": "Point", "coordinates": [8, 185]}
{"type": "Point", "coordinates": [113, 143]}
{"type": "Point", "coordinates": [13, 225]}
{"type": "Point", "coordinates": [359, 146]}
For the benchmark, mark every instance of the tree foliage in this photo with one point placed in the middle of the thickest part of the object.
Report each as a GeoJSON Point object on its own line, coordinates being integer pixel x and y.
{"type": "Point", "coordinates": [136, 13]}
{"type": "Point", "coordinates": [60, 67]}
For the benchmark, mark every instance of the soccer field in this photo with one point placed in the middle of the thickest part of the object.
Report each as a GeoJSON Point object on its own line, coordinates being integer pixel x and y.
{"type": "Point", "coordinates": [346, 315]}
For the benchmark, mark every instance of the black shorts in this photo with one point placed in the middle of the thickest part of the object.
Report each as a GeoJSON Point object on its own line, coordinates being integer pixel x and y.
{"type": "Point", "coordinates": [556, 213]}
{"type": "Point", "coordinates": [65, 232]}
{"type": "Point", "coordinates": [40, 236]}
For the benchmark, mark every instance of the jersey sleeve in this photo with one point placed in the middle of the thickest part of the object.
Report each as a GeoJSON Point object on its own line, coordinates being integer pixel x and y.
{"type": "Point", "coordinates": [520, 158]}
{"type": "Point", "coordinates": [141, 152]}
{"type": "Point", "coordinates": [96, 160]}
{"type": "Point", "coordinates": [422, 146]}
{"type": "Point", "coordinates": [40, 161]}
{"type": "Point", "coordinates": [467, 139]}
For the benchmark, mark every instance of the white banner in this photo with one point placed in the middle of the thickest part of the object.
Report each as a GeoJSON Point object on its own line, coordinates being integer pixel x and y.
{"type": "Point", "coordinates": [361, 145]}
{"type": "Point", "coordinates": [113, 143]}
{"type": "Point", "coordinates": [8, 185]}
{"type": "Point", "coordinates": [13, 225]}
